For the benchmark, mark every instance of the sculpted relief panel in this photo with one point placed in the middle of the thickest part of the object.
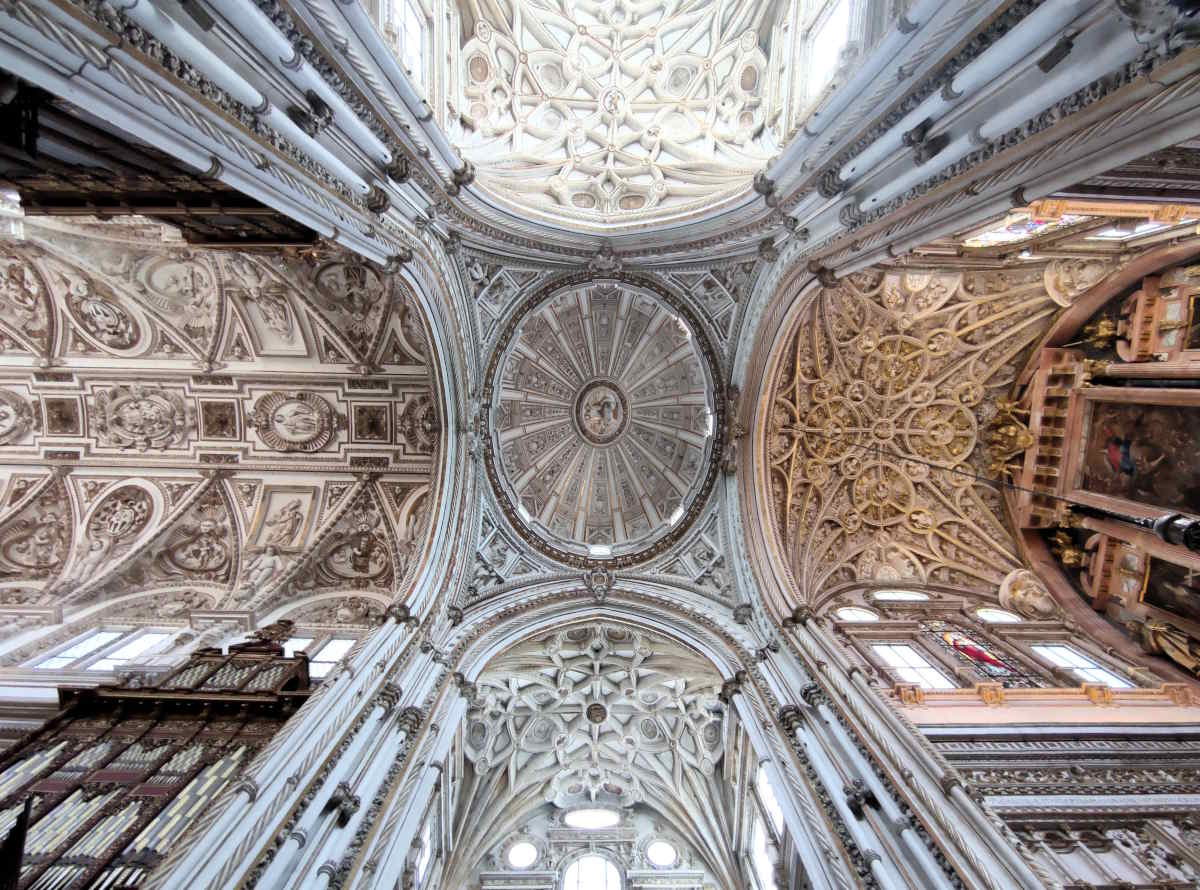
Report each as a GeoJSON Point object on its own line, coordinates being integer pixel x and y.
{"type": "Point", "coordinates": [877, 406]}
{"type": "Point", "coordinates": [206, 417]}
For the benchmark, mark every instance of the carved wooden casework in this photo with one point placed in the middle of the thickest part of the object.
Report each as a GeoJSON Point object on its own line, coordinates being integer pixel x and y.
{"type": "Point", "coordinates": [117, 776]}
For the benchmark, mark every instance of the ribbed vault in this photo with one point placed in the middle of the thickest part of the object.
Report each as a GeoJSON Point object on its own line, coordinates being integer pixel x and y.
{"type": "Point", "coordinates": [595, 714]}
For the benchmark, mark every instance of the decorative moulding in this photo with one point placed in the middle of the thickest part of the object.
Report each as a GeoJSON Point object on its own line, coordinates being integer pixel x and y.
{"type": "Point", "coordinates": [1087, 703]}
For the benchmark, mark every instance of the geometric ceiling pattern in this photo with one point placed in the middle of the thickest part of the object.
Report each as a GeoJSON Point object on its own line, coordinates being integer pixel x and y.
{"type": "Point", "coordinates": [603, 417]}
{"type": "Point", "coordinates": [619, 113]}
{"type": "Point", "coordinates": [186, 428]}
{"type": "Point", "coordinates": [880, 397]}
{"type": "Point", "coordinates": [595, 715]}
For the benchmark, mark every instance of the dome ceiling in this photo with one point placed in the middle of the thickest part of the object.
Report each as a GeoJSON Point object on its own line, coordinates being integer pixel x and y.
{"type": "Point", "coordinates": [614, 113]}
{"type": "Point", "coordinates": [603, 418]}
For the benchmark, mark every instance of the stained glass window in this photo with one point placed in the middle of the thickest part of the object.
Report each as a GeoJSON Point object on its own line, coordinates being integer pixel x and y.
{"type": "Point", "coordinates": [978, 655]}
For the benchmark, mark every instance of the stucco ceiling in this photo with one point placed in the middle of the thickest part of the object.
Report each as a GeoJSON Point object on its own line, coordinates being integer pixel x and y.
{"type": "Point", "coordinates": [603, 419]}
{"type": "Point", "coordinates": [614, 113]}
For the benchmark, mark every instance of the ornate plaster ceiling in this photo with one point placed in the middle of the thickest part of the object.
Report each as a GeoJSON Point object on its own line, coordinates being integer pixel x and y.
{"type": "Point", "coordinates": [595, 715]}
{"type": "Point", "coordinates": [214, 409]}
{"type": "Point", "coordinates": [603, 421]}
{"type": "Point", "coordinates": [881, 394]}
{"type": "Point", "coordinates": [615, 113]}
{"type": "Point", "coordinates": [599, 715]}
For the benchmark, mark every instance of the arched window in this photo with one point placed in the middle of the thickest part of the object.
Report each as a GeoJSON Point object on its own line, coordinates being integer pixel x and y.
{"type": "Point", "coordinates": [906, 596]}
{"type": "Point", "coordinates": [592, 873]}
{"type": "Point", "coordinates": [998, 616]}
{"type": "Point", "coordinates": [769, 801]}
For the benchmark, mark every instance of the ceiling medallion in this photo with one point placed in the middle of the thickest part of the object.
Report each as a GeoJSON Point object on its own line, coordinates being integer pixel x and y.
{"type": "Point", "coordinates": [601, 412]}
{"type": "Point", "coordinates": [606, 423]}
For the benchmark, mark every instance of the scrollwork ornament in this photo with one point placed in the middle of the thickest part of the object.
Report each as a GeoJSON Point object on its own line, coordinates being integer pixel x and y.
{"type": "Point", "coordinates": [140, 417]}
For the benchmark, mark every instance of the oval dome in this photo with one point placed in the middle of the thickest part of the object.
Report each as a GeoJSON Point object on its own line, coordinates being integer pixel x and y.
{"type": "Point", "coordinates": [603, 419]}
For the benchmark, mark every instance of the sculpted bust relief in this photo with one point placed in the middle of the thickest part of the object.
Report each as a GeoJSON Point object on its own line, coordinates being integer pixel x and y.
{"type": "Point", "coordinates": [1023, 593]}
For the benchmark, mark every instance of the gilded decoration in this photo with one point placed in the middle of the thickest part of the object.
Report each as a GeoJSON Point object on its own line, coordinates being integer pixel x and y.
{"type": "Point", "coordinates": [876, 412]}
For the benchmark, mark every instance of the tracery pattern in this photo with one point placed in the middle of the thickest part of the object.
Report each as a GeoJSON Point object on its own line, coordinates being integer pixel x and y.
{"type": "Point", "coordinates": [595, 715]}
{"type": "Point", "coordinates": [600, 715]}
{"type": "Point", "coordinates": [625, 110]}
{"type": "Point", "coordinates": [876, 411]}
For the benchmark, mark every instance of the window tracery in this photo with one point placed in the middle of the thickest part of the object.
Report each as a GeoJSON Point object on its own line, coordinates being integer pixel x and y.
{"type": "Point", "coordinates": [592, 872]}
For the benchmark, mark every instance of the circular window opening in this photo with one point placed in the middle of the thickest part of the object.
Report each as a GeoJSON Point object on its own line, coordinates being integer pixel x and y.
{"type": "Point", "coordinates": [853, 613]}
{"type": "Point", "coordinates": [522, 854]}
{"type": "Point", "coordinates": [592, 818]}
{"type": "Point", "coordinates": [662, 854]}
{"type": "Point", "coordinates": [998, 616]}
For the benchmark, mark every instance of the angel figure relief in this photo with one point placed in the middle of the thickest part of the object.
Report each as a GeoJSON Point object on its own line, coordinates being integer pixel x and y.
{"type": "Point", "coordinates": [285, 525]}
{"type": "Point", "coordinates": [21, 295]}
{"type": "Point", "coordinates": [262, 569]}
